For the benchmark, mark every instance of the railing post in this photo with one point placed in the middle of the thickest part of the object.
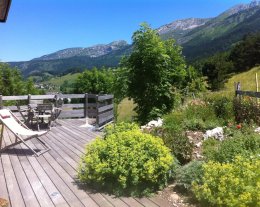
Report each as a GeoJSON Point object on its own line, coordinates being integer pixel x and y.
{"type": "Point", "coordinates": [56, 97]}
{"type": "Point", "coordinates": [97, 117]}
{"type": "Point", "coordinates": [86, 106]}
{"type": "Point", "coordinates": [29, 98]}
{"type": "Point", "coordinates": [1, 101]}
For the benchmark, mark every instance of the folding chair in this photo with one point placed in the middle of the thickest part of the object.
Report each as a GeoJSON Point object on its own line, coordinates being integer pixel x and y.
{"type": "Point", "coordinates": [20, 130]}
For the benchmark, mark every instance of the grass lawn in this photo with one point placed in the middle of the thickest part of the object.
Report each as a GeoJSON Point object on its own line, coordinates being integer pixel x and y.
{"type": "Point", "coordinates": [246, 79]}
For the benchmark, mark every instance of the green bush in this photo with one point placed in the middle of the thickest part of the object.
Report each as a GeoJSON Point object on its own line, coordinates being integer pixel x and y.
{"type": "Point", "coordinates": [233, 184]}
{"type": "Point", "coordinates": [188, 174]}
{"type": "Point", "coordinates": [222, 106]}
{"type": "Point", "coordinates": [225, 151]}
{"type": "Point", "coordinates": [119, 127]}
{"type": "Point", "coordinates": [180, 146]}
{"type": "Point", "coordinates": [201, 117]}
{"type": "Point", "coordinates": [127, 163]}
{"type": "Point", "coordinates": [246, 110]}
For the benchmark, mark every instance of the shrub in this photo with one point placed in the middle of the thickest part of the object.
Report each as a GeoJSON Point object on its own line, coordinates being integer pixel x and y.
{"type": "Point", "coordinates": [230, 184]}
{"type": "Point", "coordinates": [200, 117]}
{"type": "Point", "coordinates": [127, 163]}
{"type": "Point", "coordinates": [246, 110]}
{"type": "Point", "coordinates": [225, 151]}
{"type": "Point", "coordinates": [180, 146]}
{"type": "Point", "coordinates": [222, 106]}
{"type": "Point", "coordinates": [120, 127]}
{"type": "Point", "coordinates": [189, 173]}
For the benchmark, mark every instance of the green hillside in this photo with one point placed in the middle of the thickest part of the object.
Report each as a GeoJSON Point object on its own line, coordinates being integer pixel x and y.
{"type": "Point", "coordinates": [56, 82]}
{"type": "Point", "coordinates": [247, 80]}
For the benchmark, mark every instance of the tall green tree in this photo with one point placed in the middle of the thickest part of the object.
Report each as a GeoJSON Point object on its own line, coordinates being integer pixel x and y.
{"type": "Point", "coordinates": [156, 69]}
{"type": "Point", "coordinates": [95, 81]}
{"type": "Point", "coordinates": [246, 54]}
{"type": "Point", "coordinates": [217, 68]}
{"type": "Point", "coordinates": [12, 83]}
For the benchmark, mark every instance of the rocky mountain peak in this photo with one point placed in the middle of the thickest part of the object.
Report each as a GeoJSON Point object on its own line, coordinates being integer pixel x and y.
{"type": "Point", "coordinates": [184, 24]}
{"type": "Point", "coordinates": [241, 7]}
{"type": "Point", "coordinates": [93, 51]}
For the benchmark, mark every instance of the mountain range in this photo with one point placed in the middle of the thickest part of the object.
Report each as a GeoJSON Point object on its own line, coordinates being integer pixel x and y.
{"type": "Point", "coordinates": [199, 38]}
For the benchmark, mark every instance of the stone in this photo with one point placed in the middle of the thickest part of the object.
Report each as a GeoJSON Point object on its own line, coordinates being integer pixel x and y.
{"type": "Point", "coordinates": [198, 145]}
{"type": "Point", "coordinates": [152, 124]}
{"type": "Point", "coordinates": [257, 130]}
{"type": "Point", "coordinates": [3, 202]}
{"type": "Point", "coordinates": [216, 133]}
{"type": "Point", "coordinates": [175, 197]}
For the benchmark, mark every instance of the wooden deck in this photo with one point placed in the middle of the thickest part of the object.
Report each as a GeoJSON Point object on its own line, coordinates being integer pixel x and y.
{"type": "Point", "coordinates": [50, 179]}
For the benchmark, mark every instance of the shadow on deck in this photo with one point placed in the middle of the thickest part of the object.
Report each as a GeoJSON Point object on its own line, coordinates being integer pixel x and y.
{"type": "Point", "coordinates": [50, 179]}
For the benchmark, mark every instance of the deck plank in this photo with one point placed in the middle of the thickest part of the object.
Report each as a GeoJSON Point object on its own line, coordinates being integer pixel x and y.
{"type": "Point", "coordinates": [56, 197]}
{"type": "Point", "coordinates": [16, 198]}
{"type": "Point", "coordinates": [25, 187]}
{"type": "Point", "coordinates": [62, 186]}
{"type": "Point", "coordinates": [3, 191]}
{"type": "Point", "coordinates": [146, 202]}
{"type": "Point", "coordinates": [40, 192]}
{"type": "Point", "coordinates": [10, 178]}
{"type": "Point", "coordinates": [51, 179]}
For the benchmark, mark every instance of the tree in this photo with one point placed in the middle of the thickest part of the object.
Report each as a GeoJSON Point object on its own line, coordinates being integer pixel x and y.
{"type": "Point", "coordinates": [246, 54]}
{"type": "Point", "coordinates": [156, 69]}
{"type": "Point", "coordinates": [11, 82]}
{"type": "Point", "coordinates": [95, 81]}
{"type": "Point", "coordinates": [217, 68]}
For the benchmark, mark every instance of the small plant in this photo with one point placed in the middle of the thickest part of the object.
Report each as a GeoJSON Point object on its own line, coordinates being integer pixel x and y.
{"type": "Point", "coordinates": [127, 163]}
{"type": "Point", "coordinates": [188, 174]}
{"type": "Point", "coordinates": [230, 184]}
{"type": "Point", "coordinates": [246, 110]}
{"type": "Point", "coordinates": [180, 146]}
{"type": "Point", "coordinates": [242, 143]}
{"type": "Point", "coordinates": [222, 105]}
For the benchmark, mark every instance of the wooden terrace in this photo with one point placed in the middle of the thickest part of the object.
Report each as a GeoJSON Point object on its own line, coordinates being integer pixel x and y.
{"type": "Point", "coordinates": [50, 179]}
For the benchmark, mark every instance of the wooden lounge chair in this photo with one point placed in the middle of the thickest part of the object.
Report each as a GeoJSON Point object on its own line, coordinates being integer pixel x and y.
{"type": "Point", "coordinates": [20, 130]}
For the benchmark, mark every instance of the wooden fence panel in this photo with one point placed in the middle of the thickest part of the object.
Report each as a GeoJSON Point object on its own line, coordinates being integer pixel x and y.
{"type": "Point", "coordinates": [93, 106]}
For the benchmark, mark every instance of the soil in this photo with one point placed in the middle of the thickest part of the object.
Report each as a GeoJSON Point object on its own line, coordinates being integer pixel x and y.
{"type": "Point", "coordinates": [176, 197]}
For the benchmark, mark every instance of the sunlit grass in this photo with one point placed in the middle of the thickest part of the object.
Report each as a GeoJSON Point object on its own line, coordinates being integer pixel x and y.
{"type": "Point", "coordinates": [246, 79]}
{"type": "Point", "coordinates": [125, 111]}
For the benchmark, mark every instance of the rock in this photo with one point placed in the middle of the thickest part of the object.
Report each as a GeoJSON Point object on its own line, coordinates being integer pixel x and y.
{"type": "Point", "coordinates": [216, 133]}
{"type": "Point", "coordinates": [257, 130]}
{"type": "Point", "coordinates": [3, 203]}
{"type": "Point", "coordinates": [190, 138]}
{"type": "Point", "coordinates": [152, 124]}
{"type": "Point", "coordinates": [155, 123]}
{"type": "Point", "coordinates": [198, 144]}
{"type": "Point", "coordinates": [175, 197]}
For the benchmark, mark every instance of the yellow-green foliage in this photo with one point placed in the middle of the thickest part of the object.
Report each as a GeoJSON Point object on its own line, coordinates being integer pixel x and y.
{"type": "Point", "coordinates": [120, 127]}
{"type": "Point", "coordinates": [131, 163]}
{"type": "Point", "coordinates": [235, 184]}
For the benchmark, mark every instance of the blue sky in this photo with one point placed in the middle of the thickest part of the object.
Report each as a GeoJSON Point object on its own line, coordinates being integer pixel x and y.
{"type": "Point", "coordinates": [38, 27]}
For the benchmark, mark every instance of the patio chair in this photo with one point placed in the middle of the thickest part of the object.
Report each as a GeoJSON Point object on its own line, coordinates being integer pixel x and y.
{"type": "Point", "coordinates": [21, 131]}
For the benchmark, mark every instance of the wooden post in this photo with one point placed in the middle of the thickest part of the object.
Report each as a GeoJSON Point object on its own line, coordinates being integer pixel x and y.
{"type": "Point", "coordinates": [29, 98]}
{"type": "Point", "coordinates": [56, 97]}
{"type": "Point", "coordinates": [97, 117]}
{"type": "Point", "coordinates": [238, 88]}
{"type": "Point", "coordinates": [1, 101]}
{"type": "Point", "coordinates": [256, 80]}
{"type": "Point", "coordinates": [1, 138]}
{"type": "Point", "coordinates": [86, 106]}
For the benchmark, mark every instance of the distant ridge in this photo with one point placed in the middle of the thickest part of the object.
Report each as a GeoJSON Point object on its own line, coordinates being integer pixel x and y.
{"type": "Point", "coordinates": [94, 51]}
